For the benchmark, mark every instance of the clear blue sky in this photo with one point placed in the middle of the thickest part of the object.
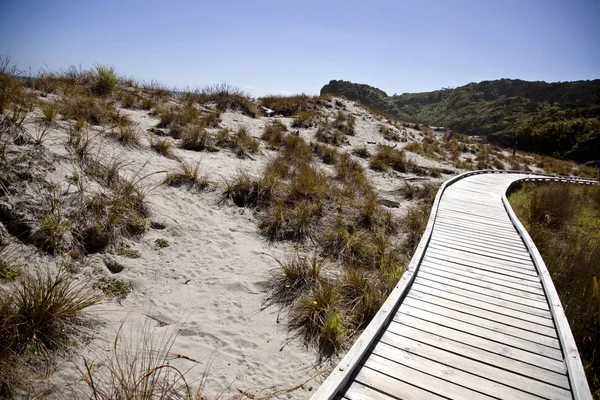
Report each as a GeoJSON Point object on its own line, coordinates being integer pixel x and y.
{"type": "Point", "coordinates": [298, 46]}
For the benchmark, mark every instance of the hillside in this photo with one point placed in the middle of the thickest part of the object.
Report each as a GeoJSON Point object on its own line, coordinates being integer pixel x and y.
{"type": "Point", "coordinates": [560, 119]}
{"type": "Point", "coordinates": [198, 230]}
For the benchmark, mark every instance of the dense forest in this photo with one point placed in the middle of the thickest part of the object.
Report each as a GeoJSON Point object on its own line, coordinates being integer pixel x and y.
{"type": "Point", "coordinates": [560, 119]}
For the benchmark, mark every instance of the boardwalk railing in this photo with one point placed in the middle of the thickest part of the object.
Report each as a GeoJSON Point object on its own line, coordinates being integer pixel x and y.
{"type": "Point", "coordinates": [343, 374]}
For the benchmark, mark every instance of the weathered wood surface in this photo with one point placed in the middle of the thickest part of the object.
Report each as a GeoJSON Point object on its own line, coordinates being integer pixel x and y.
{"type": "Point", "coordinates": [475, 316]}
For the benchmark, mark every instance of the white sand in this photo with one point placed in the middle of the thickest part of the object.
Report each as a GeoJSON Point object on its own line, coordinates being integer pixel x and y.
{"type": "Point", "coordinates": [207, 284]}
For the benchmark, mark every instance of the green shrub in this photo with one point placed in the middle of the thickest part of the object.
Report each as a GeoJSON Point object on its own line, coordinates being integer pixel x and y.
{"type": "Point", "coordinates": [105, 80]}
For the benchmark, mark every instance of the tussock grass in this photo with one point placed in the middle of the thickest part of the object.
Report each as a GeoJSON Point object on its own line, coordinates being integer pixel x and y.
{"type": "Point", "coordinates": [245, 190]}
{"type": "Point", "coordinates": [274, 133]}
{"type": "Point", "coordinates": [93, 110]}
{"type": "Point", "coordinates": [38, 313]}
{"type": "Point", "coordinates": [179, 119]}
{"type": "Point", "coordinates": [316, 317]}
{"type": "Point", "coordinates": [50, 233]}
{"type": "Point", "coordinates": [127, 135]}
{"type": "Point", "coordinates": [388, 133]}
{"type": "Point", "coordinates": [49, 114]}
{"type": "Point", "coordinates": [327, 154]}
{"type": "Point", "coordinates": [121, 211]}
{"type": "Point", "coordinates": [139, 367]}
{"type": "Point", "coordinates": [243, 143]}
{"type": "Point", "coordinates": [187, 174]}
{"type": "Point", "coordinates": [361, 152]}
{"type": "Point", "coordinates": [228, 97]}
{"type": "Point", "coordinates": [425, 191]}
{"type": "Point", "coordinates": [563, 221]}
{"type": "Point", "coordinates": [289, 106]}
{"type": "Point", "coordinates": [196, 138]}
{"type": "Point", "coordinates": [326, 133]}
{"type": "Point", "coordinates": [306, 119]}
{"type": "Point", "coordinates": [105, 80]}
{"type": "Point", "coordinates": [387, 157]}
{"type": "Point", "coordinates": [295, 277]}
{"type": "Point", "coordinates": [162, 146]}
{"type": "Point", "coordinates": [345, 123]}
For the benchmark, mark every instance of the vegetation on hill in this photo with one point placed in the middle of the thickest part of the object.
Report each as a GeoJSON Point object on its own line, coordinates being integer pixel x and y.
{"type": "Point", "coordinates": [564, 222]}
{"type": "Point", "coordinates": [560, 119]}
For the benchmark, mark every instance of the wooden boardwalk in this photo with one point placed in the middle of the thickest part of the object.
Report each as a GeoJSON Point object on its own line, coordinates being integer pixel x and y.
{"type": "Point", "coordinates": [476, 315]}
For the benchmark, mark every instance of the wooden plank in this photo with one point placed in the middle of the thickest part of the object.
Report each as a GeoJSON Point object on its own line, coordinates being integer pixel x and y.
{"type": "Point", "coordinates": [367, 379]}
{"type": "Point", "coordinates": [508, 274]}
{"type": "Point", "coordinates": [470, 295]}
{"type": "Point", "coordinates": [454, 209]}
{"type": "Point", "coordinates": [492, 326]}
{"type": "Point", "coordinates": [447, 372]}
{"type": "Point", "coordinates": [486, 276]}
{"type": "Point", "coordinates": [536, 360]}
{"type": "Point", "coordinates": [490, 315]}
{"type": "Point", "coordinates": [501, 369]}
{"type": "Point", "coordinates": [480, 258]}
{"type": "Point", "coordinates": [507, 231]}
{"type": "Point", "coordinates": [471, 231]}
{"type": "Point", "coordinates": [473, 260]}
{"type": "Point", "coordinates": [480, 249]}
{"type": "Point", "coordinates": [478, 219]}
{"type": "Point", "coordinates": [499, 337]}
{"type": "Point", "coordinates": [483, 284]}
{"type": "Point", "coordinates": [482, 253]}
{"type": "Point", "coordinates": [466, 229]}
{"type": "Point", "coordinates": [407, 370]}
{"type": "Point", "coordinates": [484, 291]}
{"type": "Point", "coordinates": [487, 244]}
{"type": "Point", "coordinates": [429, 291]}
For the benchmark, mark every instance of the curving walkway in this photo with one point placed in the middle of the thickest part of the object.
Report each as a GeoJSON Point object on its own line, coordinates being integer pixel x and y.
{"type": "Point", "coordinates": [475, 316]}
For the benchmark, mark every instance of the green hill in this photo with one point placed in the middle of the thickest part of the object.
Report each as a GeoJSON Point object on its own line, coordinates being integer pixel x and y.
{"type": "Point", "coordinates": [561, 119]}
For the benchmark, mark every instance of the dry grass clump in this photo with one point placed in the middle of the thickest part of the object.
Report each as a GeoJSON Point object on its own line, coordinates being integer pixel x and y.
{"type": "Point", "coordinates": [361, 152]}
{"type": "Point", "coordinates": [243, 143]}
{"type": "Point", "coordinates": [316, 317]}
{"type": "Point", "coordinates": [161, 146]}
{"type": "Point", "coordinates": [245, 190]}
{"type": "Point", "coordinates": [562, 220]}
{"type": "Point", "coordinates": [345, 123]}
{"type": "Point", "coordinates": [91, 109]}
{"type": "Point", "coordinates": [274, 133]}
{"type": "Point", "coordinates": [187, 174]}
{"type": "Point", "coordinates": [425, 191]}
{"type": "Point", "coordinates": [227, 97]}
{"type": "Point", "coordinates": [341, 216]}
{"type": "Point", "coordinates": [388, 133]}
{"type": "Point", "coordinates": [196, 138]}
{"type": "Point", "coordinates": [38, 314]}
{"type": "Point", "coordinates": [138, 367]}
{"type": "Point", "coordinates": [105, 80]}
{"type": "Point", "coordinates": [327, 154]}
{"type": "Point", "coordinates": [126, 134]}
{"type": "Point", "coordinates": [387, 157]}
{"type": "Point", "coordinates": [178, 118]}
{"type": "Point", "coordinates": [295, 277]}
{"type": "Point", "coordinates": [119, 211]}
{"type": "Point", "coordinates": [306, 119]}
{"type": "Point", "coordinates": [289, 106]}
{"type": "Point", "coordinates": [326, 133]}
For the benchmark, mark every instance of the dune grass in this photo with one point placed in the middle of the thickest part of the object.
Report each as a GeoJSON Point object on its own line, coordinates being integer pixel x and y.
{"type": "Point", "coordinates": [564, 222]}
{"type": "Point", "coordinates": [39, 313]}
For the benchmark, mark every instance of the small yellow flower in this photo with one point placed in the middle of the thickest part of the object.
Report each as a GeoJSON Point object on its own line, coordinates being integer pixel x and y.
{"type": "Point", "coordinates": [287, 286]}
{"type": "Point", "coordinates": [315, 302]}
